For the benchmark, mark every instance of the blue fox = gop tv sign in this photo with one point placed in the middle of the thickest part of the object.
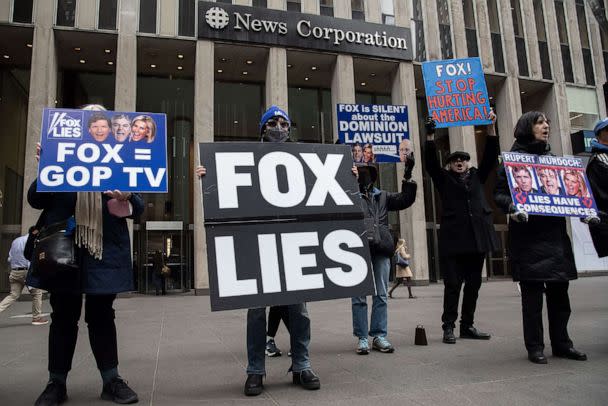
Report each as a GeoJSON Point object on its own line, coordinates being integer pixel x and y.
{"type": "Point", "coordinates": [95, 151]}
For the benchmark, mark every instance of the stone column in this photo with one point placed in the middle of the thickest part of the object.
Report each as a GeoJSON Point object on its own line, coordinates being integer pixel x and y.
{"type": "Point", "coordinates": [529, 22]}
{"type": "Point", "coordinates": [5, 11]}
{"type": "Point", "coordinates": [276, 69]}
{"type": "Point", "coordinates": [598, 59]}
{"type": "Point", "coordinates": [431, 29]}
{"type": "Point", "coordinates": [342, 86]}
{"type": "Point", "coordinates": [484, 36]}
{"type": "Point", "coordinates": [311, 6]}
{"type": "Point", "coordinates": [86, 14]}
{"type": "Point", "coordinates": [574, 36]}
{"type": "Point", "coordinates": [42, 93]}
{"type": "Point", "coordinates": [203, 132]}
{"type": "Point", "coordinates": [373, 12]}
{"type": "Point", "coordinates": [126, 57]}
{"type": "Point", "coordinates": [168, 10]}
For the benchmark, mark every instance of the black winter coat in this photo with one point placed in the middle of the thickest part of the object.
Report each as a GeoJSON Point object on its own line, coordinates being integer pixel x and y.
{"type": "Point", "coordinates": [376, 207]}
{"type": "Point", "coordinates": [114, 272]}
{"type": "Point", "coordinates": [597, 173]}
{"type": "Point", "coordinates": [467, 225]}
{"type": "Point", "coordinates": [540, 249]}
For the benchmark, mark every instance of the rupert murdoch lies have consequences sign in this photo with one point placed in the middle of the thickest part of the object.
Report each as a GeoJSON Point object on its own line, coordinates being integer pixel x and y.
{"type": "Point", "coordinates": [283, 223]}
{"type": "Point", "coordinates": [91, 151]}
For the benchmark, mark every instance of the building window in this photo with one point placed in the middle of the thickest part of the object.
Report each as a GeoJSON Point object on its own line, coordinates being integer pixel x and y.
{"type": "Point", "coordinates": [388, 12]}
{"type": "Point", "coordinates": [604, 39]}
{"type": "Point", "coordinates": [469, 27]}
{"type": "Point", "coordinates": [520, 41]}
{"type": "Point", "coordinates": [237, 110]}
{"type": "Point", "coordinates": [187, 15]}
{"type": "Point", "coordinates": [327, 7]}
{"type": "Point", "coordinates": [418, 29]}
{"type": "Point", "coordinates": [586, 48]}
{"type": "Point", "coordinates": [499, 59]}
{"type": "Point", "coordinates": [357, 9]}
{"type": "Point", "coordinates": [147, 16]}
{"type": "Point", "coordinates": [264, 3]}
{"type": "Point", "coordinates": [541, 32]}
{"type": "Point", "coordinates": [563, 39]}
{"type": "Point", "coordinates": [107, 14]}
{"type": "Point", "coordinates": [294, 5]}
{"type": "Point", "coordinates": [224, 1]}
{"type": "Point", "coordinates": [310, 111]}
{"type": "Point", "coordinates": [22, 11]}
{"type": "Point", "coordinates": [445, 31]}
{"type": "Point", "coordinates": [66, 13]}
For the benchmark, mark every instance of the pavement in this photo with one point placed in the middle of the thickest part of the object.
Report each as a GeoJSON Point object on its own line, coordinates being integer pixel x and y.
{"type": "Point", "coordinates": [174, 351]}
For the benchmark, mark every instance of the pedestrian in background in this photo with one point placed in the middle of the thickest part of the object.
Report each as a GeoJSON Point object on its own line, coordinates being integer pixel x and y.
{"type": "Point", "coordinates": [467, 229]}
{"type": "Point", "coordinates": [275, 315]}
{"type": "Point", "coordinates": [403, 272]}
{"type": "Point", "coordinates": [19, 266]}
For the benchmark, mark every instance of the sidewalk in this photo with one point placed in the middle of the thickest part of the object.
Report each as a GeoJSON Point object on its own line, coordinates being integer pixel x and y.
{"type": "Point", "coordinates": [174, 351]}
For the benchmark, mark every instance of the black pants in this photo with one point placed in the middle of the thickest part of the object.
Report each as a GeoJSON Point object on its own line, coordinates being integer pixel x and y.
{"type": "Point", "coordinates": [456, 270]}
{"type": "Point", "coordinates": [275, 315]}
{"type": "Point", "coordinates": [99, 316]}
{"type": "Point", "coordinates": [558, 310]}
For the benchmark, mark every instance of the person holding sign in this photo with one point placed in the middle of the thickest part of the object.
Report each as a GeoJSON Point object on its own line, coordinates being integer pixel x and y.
{"type": "Point", "coordinates": [597, 174]}
{"type": "Point", "coordinates": [541, 253]}
{"type": "Point", "coordinates": [467, 229]}
{"type": "Point", "coordinates": [104, 256]}
{"type": "Point", "coordinates": [376, 205]}
{"type": "Point", "coordinates": [274, 127]}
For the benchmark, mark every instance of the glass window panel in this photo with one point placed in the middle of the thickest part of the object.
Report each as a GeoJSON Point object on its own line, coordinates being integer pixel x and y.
{"type": "Point", "coordinates": [147, 16]}
{"type": "Point", "coordinates": [305, 114]}
{"type": "Point", "coordinates": [522, 59]}
{"type": "Point", "coordinates": [499, 60]}
{"type": "Point", "coordinates": [418, 30]}
{"type": "Point", "coordinates": [294, 5]}
{"type": "Point", "coordinates": [80, 88]}
{"type": "Point", "coordinates": [516, 16]}
{"type": "Point", "coordinates": [445, 32]}
{"type": "Point", "coordinates": [493, 16]}
{"type": "Point", "coordinates": [561, 23]}
{"type": "Point", "coordinates": [357, 10]}
{"type": "Point", "coordinates": [327, 7]}
{"type": "Point", "coordinates": [567, 62]}
{"type": "Point", "coordinates": [545, 62]}
{"type": "Point", "coordinates": [237, 110]}
{"type": "Point", "coordinates": [22, 11]}
{"type": "Point", "coordinates": [264, 3]}
{"type": "Point", "coordinates": [107, 14]}
{"type": "Point", "coordinates": [469, 14]}
{"type": "Point", "coordinates": [66, 12]}
{"type": "Point", "coordinates": [539, 18]}
{"type": "Point", "coordinates": [187, 15]}
{"type": "Point", "coordinates": [582, 26]}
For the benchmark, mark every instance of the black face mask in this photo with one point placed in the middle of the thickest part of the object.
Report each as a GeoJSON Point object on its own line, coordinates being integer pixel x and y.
{"type": "Point", "coordinates": [275, 135]}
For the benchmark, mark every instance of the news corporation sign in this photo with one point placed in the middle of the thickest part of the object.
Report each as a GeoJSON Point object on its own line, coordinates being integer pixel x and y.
{"type": "Point", "coordinates": [226, 22]}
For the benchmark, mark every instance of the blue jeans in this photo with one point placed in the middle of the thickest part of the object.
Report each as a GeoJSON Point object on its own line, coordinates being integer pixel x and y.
{"type": "Point", "coordinates": [381, 266]}
{"type": "Point", "coordinates": [299, 328]}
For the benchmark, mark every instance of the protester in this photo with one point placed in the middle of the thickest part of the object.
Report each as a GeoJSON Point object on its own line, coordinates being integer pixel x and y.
{"type": "Point", "coordinates": [19, 266]}
{"type": "Point", "coordinates": [274, 127]}
{"type": "Point", "coordinates": [597, 174]}
{"type": "Point", "coordinates": [376, 205]}
{"type": "Point", "coordinates": [105, 270]}
{"type": "Point", "coordinates": [403, 272]}
{"type": "Point", "coordinates": [275, 315]}
{"type": "Point", "coordinates": [541, 254]}
{"type": "Point", "coordinates": [467, 229]}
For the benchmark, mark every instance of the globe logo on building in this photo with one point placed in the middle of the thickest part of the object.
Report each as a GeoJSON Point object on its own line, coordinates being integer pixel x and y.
{"type": "Point", "coordinates": [217, 18]}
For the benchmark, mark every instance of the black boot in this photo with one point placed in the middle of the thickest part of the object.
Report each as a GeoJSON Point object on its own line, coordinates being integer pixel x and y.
{"type": "Point", "coordinates": [253, 385]}
{"type": "Point", "coordinates": [307, 379]}
{"type": "Point", "coordinates": [537, 357]}
{"type": "Point", "coordinates": [571, 353]}
{"type": "Point", "coordinates": [473, 333]}
{"type": "Point", "coordinates": [448, 336]}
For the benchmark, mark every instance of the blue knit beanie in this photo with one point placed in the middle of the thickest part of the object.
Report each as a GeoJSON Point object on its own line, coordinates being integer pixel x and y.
{"type": "Point", "coordinates": [273, 111]}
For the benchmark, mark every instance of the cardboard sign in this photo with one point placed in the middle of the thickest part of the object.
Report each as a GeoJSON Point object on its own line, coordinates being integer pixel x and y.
{"type": "Point", "coordinates": [284, 224]}
{"type": "Point", "coordinates": [375, 132]}
{"type": "Point", "coordinates": [456, 93]}
{"type": "Point", "coordinates": [547, 185]}
{"type": "Point", "coordinates": [95, 151]}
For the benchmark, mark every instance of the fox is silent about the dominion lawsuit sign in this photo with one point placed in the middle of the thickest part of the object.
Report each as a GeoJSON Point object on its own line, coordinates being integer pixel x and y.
{"type": "Point", "coordinates": [284, 224]}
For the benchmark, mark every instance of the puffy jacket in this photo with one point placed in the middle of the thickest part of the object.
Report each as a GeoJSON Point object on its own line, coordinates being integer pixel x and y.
{"type": "Point", "coordinates": [376, 206]}
{"type": "Point", "coordinates": [114, 272]}
{"type": "Point", "coordinates": [540, 249]}
{"type": "Point", "coordinates": [597, 173]}
{"type": "Point", "coordinates": [467, 224]}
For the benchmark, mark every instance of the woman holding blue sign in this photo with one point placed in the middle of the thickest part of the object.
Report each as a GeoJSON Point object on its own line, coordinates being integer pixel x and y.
{"type": "Point", "coordinates": [541, 253]}
{"type": "Point", "coordinates": [98, 223]}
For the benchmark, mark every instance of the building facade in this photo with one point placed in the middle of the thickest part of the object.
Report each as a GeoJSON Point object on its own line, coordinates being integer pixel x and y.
{"type": "Point", "coordinates": [147, 55]}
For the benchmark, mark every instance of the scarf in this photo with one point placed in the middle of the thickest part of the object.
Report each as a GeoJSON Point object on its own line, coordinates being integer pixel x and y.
{"type": "Point", "coordinates": [89, 223]}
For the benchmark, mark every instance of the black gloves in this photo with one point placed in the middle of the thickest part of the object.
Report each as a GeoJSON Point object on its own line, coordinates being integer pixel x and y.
{"type": "Point", "coordinates": [430, 124]}
{"type": "Point", "coordinates": [409, 166]}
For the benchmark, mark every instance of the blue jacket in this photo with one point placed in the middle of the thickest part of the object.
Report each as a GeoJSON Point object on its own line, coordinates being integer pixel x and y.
{"type": "Point", "coordinates": [114, 272]}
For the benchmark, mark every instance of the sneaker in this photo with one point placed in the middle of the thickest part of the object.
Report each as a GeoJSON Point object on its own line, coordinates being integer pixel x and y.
{"type": "Point", "coordinates": [363, 346]}
{"type": "Point", "coordinates": [55, 393]}
{"type": "Point", "coordinates": [39, 321]}
{"type": "Point", "coordinates": [271, 349]}
{"type": "Point", "coordinates": [382, 344]}
{"type": "Point", "coordinates": [118, 391]}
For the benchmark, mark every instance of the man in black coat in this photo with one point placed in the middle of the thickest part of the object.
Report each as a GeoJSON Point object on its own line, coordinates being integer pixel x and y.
{"type": "Point", "coordinates": [597, 174]}
{"type": "Point", "coordinates": [467, 230]}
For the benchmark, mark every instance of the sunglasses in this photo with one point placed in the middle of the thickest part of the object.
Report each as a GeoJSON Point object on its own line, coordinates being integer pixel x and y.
{"type": "Point", "coordinates": [274, 123]}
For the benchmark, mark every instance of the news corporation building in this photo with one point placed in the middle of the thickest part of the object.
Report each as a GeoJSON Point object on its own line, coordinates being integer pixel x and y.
{"type": "Point", "coordinates": [213, 67]}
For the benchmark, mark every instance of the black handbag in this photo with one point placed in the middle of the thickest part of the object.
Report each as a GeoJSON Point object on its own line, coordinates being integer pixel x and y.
{"type": "Point", "coordinates": [28, 250]}
{"type": "Point", "coordinates": [54, 252]}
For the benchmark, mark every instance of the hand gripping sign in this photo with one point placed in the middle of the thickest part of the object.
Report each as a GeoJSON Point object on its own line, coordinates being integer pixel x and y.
{"type": "Point", "coordinates": [284, 224]}
{"type": "Point", "coordinates": [456, 93]}
{"type": "Point", "coordinates": [547, 185]}
{"type": "Point", "coordinates": [91, 151]}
